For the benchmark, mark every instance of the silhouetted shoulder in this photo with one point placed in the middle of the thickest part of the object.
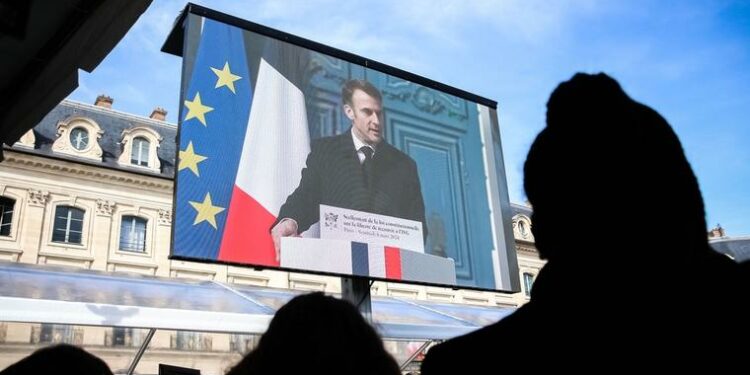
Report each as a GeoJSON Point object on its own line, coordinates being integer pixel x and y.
{"type": "Point", "coordinates": [478, 351]}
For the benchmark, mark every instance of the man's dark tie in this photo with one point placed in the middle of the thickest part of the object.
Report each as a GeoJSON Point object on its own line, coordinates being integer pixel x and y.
{"type": "Point", "coordinates": [367, 165]}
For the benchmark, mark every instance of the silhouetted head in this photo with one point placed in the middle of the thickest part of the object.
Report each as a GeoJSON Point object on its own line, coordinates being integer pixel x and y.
{"type": "Point", "coordinates": [608, 173]}
{"type": "Point", "coordinates": [318, 334]}
{"type": "Point", "coordinates": [59, 359]}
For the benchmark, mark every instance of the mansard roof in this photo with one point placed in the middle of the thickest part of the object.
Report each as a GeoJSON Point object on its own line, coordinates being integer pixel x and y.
{"type": "Point", "coordinates": [737, 247]}
{"type": "Point", "coordinates": [521, 209]}
{"type": "Point", "coordinates": [112, 123]}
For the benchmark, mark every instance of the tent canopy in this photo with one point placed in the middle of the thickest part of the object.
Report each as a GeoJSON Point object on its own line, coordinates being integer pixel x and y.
{"type": "Point", "coordinates": [44, 294]}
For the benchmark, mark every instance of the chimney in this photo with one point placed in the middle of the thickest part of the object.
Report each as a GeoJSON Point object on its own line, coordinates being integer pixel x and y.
{"type": "Point", "coordinates": [716, 232]}
{"type": "Point", "coordinates": [159, 113]}
{"type": "Point", "coordinates": [104, 101]}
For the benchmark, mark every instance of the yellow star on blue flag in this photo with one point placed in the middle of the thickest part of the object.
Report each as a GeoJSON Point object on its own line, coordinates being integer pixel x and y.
{"type": "Point", "coordinates": [189, 159]}
{"type": "Point", "coordinates": [196, 109]}
{"type": "Point", "coordinates": [206, 211]}
{"type": "Point", "coordinates": [225, 77]}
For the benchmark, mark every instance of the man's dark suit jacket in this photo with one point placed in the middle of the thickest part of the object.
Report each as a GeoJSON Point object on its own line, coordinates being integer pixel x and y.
{"type": "Point", "coordinates": [333, 176]}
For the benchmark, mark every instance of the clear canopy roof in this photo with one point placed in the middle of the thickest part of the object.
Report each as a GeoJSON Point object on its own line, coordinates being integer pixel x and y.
{"type": "Point", "coordinates": [43, 294]}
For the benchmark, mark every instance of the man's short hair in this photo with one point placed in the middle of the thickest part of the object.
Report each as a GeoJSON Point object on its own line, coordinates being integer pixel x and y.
{"type": "Point", "coordinates": [359, 84]}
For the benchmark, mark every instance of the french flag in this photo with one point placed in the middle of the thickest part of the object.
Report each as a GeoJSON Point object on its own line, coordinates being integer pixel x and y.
{"type": "Point", "coordinates": [252, 142]}
{"type": "Point", "coordinates": [276, 145]}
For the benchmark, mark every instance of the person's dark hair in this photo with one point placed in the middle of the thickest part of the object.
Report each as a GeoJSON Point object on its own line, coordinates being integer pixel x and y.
{"type": "Point", "coordinates": [59, 359]}
{"type": "Point", "coordinates": [318, 334]}
{"type": "Point", "coordinates": [604, 151]}
{"type": "Point", "coordinates": [358, 84]}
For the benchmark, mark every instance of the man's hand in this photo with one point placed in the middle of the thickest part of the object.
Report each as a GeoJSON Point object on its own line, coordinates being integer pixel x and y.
{"type": "Point", "coordinates": [285, 228]}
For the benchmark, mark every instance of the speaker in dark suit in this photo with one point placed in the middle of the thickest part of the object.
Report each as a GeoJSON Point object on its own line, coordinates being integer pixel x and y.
{"type": "Point", "coordinates": [355, 170]}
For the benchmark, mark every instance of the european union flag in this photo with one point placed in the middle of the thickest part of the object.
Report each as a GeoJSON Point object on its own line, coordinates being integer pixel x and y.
{"type": "Point", "coordinates": [212, 126]}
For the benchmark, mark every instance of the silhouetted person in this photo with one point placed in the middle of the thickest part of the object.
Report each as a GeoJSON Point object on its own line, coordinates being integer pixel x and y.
{"type": "Point", "coordinates": [630, 277]}
{"type": "Point", "coordinates": [59, 359]}
{"type": "Point", "coordinates": [318, 334]}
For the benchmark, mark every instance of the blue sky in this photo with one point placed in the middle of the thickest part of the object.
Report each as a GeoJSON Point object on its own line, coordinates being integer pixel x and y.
{"type": "Point", "coordinates": [689, 60]}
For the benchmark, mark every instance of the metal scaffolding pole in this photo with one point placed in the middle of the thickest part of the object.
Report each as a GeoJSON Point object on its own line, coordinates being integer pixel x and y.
{"type": "Point", "coordinates": [141, 350]}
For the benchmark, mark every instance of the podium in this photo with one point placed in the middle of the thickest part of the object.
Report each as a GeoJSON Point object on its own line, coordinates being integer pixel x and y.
{"type": "Point", "coordinates": [364, 259]}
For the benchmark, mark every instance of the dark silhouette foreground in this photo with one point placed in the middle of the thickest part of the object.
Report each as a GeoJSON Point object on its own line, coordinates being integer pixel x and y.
{"type": "Point", "coordinates": [630, 278]}
{"type": "Point", "coordinates": [59, 359]}
{"type": "Point", "coordinates": [318, 334]}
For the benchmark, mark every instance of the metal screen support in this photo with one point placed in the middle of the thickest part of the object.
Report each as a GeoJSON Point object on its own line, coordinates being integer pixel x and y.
{"type": "Point", "coordinates": [357, 291]}
{"type": "Point", "coordinates": [416, 353]}
{"type": "Point", "coordinates": [141, 350]}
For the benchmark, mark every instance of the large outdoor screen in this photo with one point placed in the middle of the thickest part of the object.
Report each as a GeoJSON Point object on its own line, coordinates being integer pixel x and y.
{"type": "Point", "coordinates": [297, 156]}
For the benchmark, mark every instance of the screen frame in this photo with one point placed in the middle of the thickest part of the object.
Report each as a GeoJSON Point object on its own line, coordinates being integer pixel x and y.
{"type": "Point", "coordinates": [174, 44]}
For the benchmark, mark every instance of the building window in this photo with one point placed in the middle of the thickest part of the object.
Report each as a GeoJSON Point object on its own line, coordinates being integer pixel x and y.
{"type": "Point", "coordinates": [128, 337]}
{"type": "Point", "coordinates": [121, 336]}
{"type": "Point", "coordinates": [79, 138]}
{"type": "Point", "coordinates": [242, 344]}
{"type": "Point", "coordinates": [133, 234]}
{"type": "Point", "coordinates": [522, 228]}
{"type": "Point", "coordinates": [68, 225]}
{"type": "Point", "coordinates": [184, 340]}
{"type": "Point", "coordinates": [139, 148]}
{"type": "Point", "coordinates": [57, 334]}
{"type": "Point", "coordinates": [528, 282]}
{"type": "Point", "coordinates": [139, 153]}
{"type": "Point", "coordinates": [6, 215]}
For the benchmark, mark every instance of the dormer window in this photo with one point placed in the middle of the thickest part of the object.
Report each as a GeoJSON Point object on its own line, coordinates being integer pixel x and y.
{"type": "Point", "coordinates": [140, 151]}
{"type": "Point", "coordinates": [139, 148]}
{"type": "Point", "coordinates": [79, 138]}
{"type": "Point", "coordinates": [522, 228]}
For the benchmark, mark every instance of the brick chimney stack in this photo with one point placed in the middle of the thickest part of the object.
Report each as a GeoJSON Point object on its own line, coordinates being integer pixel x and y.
{"type": "Point", "coordinates": [159, 113]}
{"type": "Point", "coordinates": [717, 232]}
{"type": "Point", "coordinates": [104, 101]}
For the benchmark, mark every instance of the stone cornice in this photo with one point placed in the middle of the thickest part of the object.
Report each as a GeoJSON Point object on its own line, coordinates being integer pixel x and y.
{"type": "Point", "coordinates": [526, 247]}
{"type": "Point", "coordinates": [98, 174]}
{"type": "Point", "coordinates": [526, 242]}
